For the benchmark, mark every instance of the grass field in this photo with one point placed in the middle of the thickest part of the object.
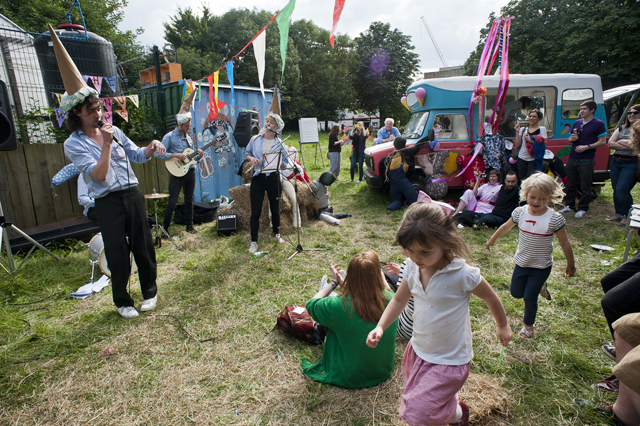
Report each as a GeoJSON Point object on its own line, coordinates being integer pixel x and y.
{"type": "Point", "coordinates": [207, 355]}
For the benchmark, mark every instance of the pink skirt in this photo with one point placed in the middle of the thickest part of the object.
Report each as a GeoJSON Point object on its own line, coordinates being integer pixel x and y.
{"type": "Point", "coordinates": [430, 390]}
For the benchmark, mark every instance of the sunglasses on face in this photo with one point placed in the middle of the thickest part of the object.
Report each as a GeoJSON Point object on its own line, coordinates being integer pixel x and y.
{"type": "Point", "coordinates": [634, 112]}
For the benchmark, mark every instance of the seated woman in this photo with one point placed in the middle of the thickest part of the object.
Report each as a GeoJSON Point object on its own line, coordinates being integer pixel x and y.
{"type": "Point", "coordinates": [483, 199]}
{"type": "Point", "coordinates": [346, 359]}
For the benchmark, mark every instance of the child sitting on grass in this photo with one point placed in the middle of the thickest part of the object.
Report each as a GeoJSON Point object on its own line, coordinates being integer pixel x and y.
{"type": "Point", "coordinates": [534, 255]}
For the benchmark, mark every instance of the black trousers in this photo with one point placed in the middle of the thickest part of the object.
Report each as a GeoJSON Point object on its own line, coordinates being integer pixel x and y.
{"type": "Point", "coordinates": [579, 174]}
{"type": "Point", "coordinates": [259, 184]}
{"type": "Point", "coordinates": [123, 214]}
{"type": "Point", "coordinates": [621, 291]}
{"type": "Point", "coordinates": [188, 182]}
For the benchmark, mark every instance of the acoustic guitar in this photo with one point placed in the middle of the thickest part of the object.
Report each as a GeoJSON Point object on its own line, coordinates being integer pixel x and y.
{"type": "Point", "coordinates": [179, 168]}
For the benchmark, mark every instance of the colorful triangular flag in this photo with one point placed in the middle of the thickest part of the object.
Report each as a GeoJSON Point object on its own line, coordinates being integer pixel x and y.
{"type": "Point", "coordinates": [284, 20]}
{"type": "Point", "coordinates": [111, 81]}
{"type": "Point", "coordinates": [230, 77]}
{"type": "Point", "coordinates": [134, 99]}
{"type": "Point", "coordinates": [122, 100]}
{"type": "Point", "coordinates": [124, 114]}
{"type": "Point", "coordinates": [60, 116]}
{"type": "Point", "coordinates": [259, 47]}
{"type": "Point", "coordinates": [97, 82]}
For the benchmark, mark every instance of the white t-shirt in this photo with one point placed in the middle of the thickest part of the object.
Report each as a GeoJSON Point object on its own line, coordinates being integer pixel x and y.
{"type": "Point", "coordinates": [441, 323]}
{"type": "Point", "coordinates": [523, 154]}
{"type": "Point", "coordinates": [535, 248]}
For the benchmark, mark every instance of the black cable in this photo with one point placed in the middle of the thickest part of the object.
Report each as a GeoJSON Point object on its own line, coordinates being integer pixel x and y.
{"type": "Point", "coordinates": [184, 329]}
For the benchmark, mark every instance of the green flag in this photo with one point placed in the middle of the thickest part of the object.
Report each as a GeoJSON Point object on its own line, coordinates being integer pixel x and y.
{"type": "Point", "coordinates": [283, 19]}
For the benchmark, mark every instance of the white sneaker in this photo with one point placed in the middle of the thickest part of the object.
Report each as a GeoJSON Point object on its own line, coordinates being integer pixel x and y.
{"type": "Point", "coordinates": [277, 239]}
{"type": "Point", "coordinates": [460, 226]}
{"type": "Point", "coordinates": [254, 247]}
{"type": "Point", "coordinates": [149, 304]}
{"type": "Point", "coordinates": [359, 181]}
{"type": "Point", "coordinates": [127, 312]}
{"type": "Point", "coordinates": [580, 214]}
{"type": "Point", "coordinates": [565, 209]}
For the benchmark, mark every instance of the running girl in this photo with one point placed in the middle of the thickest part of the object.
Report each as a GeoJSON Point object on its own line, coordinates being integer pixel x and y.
{"type": "Point", "coordinates": [436, 362]}
{"type": "Point", "coordinates": [534, 255]}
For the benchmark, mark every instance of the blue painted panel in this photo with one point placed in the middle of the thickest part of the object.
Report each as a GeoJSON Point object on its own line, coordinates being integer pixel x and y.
{"type": "Point", "coordinates": [218, 169]}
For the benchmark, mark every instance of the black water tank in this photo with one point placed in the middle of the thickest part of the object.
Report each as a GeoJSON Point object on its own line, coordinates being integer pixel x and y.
{"type": "Point", "coordinates": [93, 56]}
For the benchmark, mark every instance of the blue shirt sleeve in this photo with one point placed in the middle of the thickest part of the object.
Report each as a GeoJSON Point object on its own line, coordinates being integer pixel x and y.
{"type": "Point", "coordinates": [166, 141]}
{"type": "Point", "coordinates": [395, 132]}
{"type": "Point", "coordinates": [134, 152]}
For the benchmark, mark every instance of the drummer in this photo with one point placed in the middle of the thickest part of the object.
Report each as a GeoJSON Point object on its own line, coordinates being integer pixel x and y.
{"type": "Point", "coordinates": [102, 153]}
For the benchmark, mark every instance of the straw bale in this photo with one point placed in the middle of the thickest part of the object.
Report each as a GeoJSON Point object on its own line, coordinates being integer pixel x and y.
{"type": "Point", "coordinates": [489, 400]}
{"type": "Point", "coordinates": [307, 201]}
{"type": "Point", "coordinates": [247, 171]}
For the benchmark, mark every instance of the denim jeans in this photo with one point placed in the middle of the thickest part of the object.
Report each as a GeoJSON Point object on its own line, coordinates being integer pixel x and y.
{"type": "Point", "coordinates": [579, 175]}
{"type": "Point", "coordinates": [334, 163]}
{"type": "Point", "coordinates": [526, 284]}
{"type": "Point", "coordinates": [621, 291]}
{"type": "Point", "coordinates": [359, 160]}
{"type": "Point", "coordinates": [623, 179]}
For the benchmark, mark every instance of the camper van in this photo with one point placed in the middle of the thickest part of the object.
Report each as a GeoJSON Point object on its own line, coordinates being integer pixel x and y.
{"type": "Point", "coordinates": [445, 108]}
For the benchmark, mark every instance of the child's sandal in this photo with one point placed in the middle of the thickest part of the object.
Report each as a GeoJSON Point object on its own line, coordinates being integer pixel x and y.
{"type": "Point", "coordinates": [526, 332]}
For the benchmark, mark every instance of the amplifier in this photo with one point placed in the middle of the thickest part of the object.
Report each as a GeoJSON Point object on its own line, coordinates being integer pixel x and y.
{"type": "Point", "coordinates": [227, 224]}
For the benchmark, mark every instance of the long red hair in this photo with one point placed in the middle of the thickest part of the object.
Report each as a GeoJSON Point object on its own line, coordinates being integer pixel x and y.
{"type": "Point", "coordinates": [364, 285]}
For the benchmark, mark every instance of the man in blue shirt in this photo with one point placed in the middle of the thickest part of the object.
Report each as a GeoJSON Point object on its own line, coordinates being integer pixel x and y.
{"type": "Point", "coordinates": [176, 142]}
{"type": "Point", "coordinates": [104, 167]}
{"type": "Point", "coordinates": [388, 133]}
{"type": "Point", "coordinates": [588, 133]}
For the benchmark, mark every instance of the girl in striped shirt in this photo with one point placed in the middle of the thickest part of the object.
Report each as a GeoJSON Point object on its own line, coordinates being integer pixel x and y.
{"type": "Point", "coordinates": [534, 255]}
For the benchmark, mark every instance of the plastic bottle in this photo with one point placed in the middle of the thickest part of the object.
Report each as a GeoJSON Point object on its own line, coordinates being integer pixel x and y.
{"type": "Point", "coordinates": [259, 254]}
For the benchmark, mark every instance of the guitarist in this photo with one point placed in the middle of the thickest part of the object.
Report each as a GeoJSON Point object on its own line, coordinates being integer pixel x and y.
{"type": "Point", "coordinates": [176, 142]}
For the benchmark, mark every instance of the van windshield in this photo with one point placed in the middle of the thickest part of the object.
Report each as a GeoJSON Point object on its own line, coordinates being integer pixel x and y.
{"type": "Point", "coordinates": [415, 127]}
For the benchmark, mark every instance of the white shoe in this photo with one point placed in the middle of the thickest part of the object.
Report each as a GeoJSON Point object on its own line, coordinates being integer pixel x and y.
{"type": "Point", "coordinates": [277, 239]}
{"type": "Point", "coordinates": [149, 304]}
{"type": "Point", "coordinates": [579, 214]}
{"type": "Point", "coordinates": [127, 312]}
{"type": "Point", "coordinates": [460, 226]}
{"type": "Point", "coordinates": [565, 209]}
{"type": "Point", "coordinates": [254, 247]}
{"type": "Point", "coordinates": [359, 181]}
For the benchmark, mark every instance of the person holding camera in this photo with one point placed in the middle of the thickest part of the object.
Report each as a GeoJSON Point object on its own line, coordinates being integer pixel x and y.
{"type": "Point", "coordinates": [481, 199]}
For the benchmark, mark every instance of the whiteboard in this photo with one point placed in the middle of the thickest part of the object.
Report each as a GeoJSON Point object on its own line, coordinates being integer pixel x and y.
{"type": "Point", "coordinates": [308, 130]}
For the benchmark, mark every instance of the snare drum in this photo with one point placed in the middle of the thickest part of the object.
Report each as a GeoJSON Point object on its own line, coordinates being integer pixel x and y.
{"type": "Point", "coordinates": [97, 255]}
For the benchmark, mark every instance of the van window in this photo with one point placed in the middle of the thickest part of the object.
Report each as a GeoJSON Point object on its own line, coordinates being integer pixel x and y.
{"type": "Point", "coordinates": [450, 127]}
{"type": "Point", "coordinates": [415, 126]}
{"type": "Point", "coordinates": [517, 105]}
{"type": "Point", "coordinates": [571, 100]}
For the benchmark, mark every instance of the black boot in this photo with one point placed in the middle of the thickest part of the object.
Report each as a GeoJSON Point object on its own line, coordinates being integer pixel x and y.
{"type": "Point", "coordinates": [191, 229]}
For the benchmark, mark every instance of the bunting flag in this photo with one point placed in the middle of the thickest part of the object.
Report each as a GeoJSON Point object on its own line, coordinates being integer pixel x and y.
{"type": "Point", "coordinates": [212, 114]}
{"type": "Point", "coordinates": [200, 90]}
{"type": "Point", "coordinates": [215, 88]}
{"type": "Point", "coordinates": [284, 19]}
{"type": "Point", "coordinates": [85, 78]}
{"type": "Point", "coordinates": [111, 82]}
{"type": "Point", "coordinates": [58, 97]}
{"type": "Point", "coordinates": [107, 117]}
{"type": "Point", "coordinates": [124, 114]}
{"type": "Point", "coordinates": [122, 100]}
{"type": "Point", "coordinates": [60, 116]}
{"type": "Point", "coordinates": [337, 11]}
{"type": "Point", "coordinates": [134, 100]}
{"type": "Point", "coordinates": [108, 103]}
{"type": "Point", "coordinates": [97, 82]}
{"type": "Point", "coordinates": [230, 77]}
{"type": "Point", "coordinates": [259, 47]}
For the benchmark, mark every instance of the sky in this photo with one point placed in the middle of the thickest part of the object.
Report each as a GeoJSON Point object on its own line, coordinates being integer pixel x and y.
{"type": "Point", "coordinates": [455, 24]}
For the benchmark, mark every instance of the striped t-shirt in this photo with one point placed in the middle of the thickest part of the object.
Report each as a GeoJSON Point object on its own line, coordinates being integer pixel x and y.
{"type": "Point", "coordinates": [405, 321]}
{"type": "Point", "coordinates": [535, 249]}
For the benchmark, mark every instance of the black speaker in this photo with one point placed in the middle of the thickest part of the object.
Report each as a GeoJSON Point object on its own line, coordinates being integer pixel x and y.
{"type": "Point", "coordinates": [227, 224]}
{"type": "Point", "coordinates": [247, 126]}
{"type": "Point", "coordinates": [8, 140]}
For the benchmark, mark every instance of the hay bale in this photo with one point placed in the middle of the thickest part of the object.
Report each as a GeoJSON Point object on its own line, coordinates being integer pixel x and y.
{"type": "Point", "coordinates": [307, 202]}
{"type": "Point", "coordinates": [247, 171]}
{"type": "Point", "coordinates": [488, 401]}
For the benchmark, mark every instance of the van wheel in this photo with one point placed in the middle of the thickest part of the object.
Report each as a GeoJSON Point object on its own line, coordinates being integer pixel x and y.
{"type": "Point", "coordinates": [418, 185]}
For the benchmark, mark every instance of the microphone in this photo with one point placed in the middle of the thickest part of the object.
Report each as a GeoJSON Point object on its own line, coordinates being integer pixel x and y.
{"type": "Point", "coordinates": [274, 131]}
{"type": "Point", "coordinates": [100, 124]}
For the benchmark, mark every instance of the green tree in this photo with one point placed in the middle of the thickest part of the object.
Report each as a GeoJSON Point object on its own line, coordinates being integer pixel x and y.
{"type": "Point", "coordinates": [579, 36]}
{"type": "Point", "coordinates": [384, 70]}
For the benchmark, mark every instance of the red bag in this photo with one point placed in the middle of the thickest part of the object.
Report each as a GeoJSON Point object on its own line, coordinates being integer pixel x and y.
{"type": "Point", "coordinates": [298, 324]}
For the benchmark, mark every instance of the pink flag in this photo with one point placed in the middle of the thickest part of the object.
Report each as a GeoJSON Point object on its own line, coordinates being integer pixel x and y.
{"type": "Point", "coordinates": [60, 115]}
{"type": "Point", "coordinates": [108, 104]}
{"type": "Point", "coordinates": [212, 114]}
{"type": "Point", "coordinates": [337, 11]}
{"type": "Point", "coordinates": [215, 85]}
{"type": "Point", "coordinates": [107, 117]}
{"type": "Point", "coordinates": [97, 82]}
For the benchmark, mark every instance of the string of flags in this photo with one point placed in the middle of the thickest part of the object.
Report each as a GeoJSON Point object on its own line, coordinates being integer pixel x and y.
{"type": "Point", "coordinates": [107, 116]}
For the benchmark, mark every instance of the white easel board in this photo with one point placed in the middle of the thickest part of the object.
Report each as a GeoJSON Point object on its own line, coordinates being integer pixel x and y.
{"type": "Point", "coordinates": [308, 130]}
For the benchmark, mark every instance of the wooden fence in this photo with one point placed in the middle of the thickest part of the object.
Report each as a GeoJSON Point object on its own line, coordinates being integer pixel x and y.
{"type": "Point", "coordinates": [25, 187]}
